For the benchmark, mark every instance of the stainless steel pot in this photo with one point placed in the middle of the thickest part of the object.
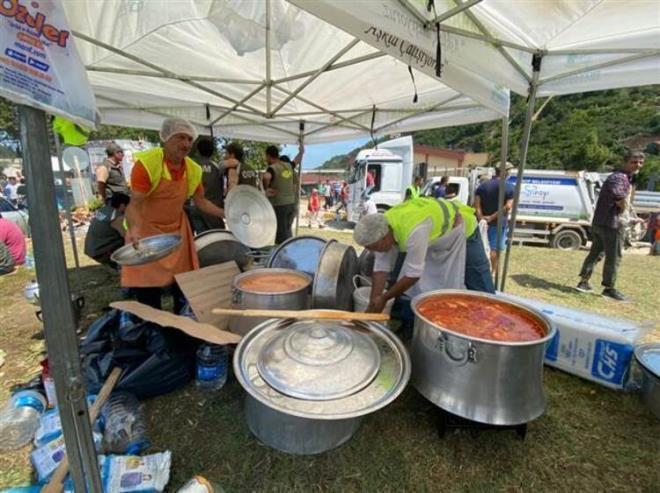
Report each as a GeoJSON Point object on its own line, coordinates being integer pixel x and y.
{"type": "Point", "coordinates": [309, 383]}
{"type": "Point", "coordinates": [493, 382]}
{"type": "Point", "coordinates": [333, 283]}
{"type": "Point", "coordinates": [648, 358]}
{"type": "Point", "coordinates": [297, 299]}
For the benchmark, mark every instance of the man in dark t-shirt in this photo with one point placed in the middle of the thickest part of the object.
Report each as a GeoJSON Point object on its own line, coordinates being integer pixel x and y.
{"type": "Point", "coordinates": [486, 204]}
{"type": "Point", "coordinates": [607, 229]}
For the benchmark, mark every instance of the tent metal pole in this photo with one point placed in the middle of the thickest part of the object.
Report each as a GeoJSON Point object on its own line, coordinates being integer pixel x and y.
{"type": "Point", "coordinates": [495, 43]}
{"type": "Point", "coordinates": [269, 82]}
{"type": "Point", "coordinates": [239, 103]}
{"type": "Point", "coordinates": [491, 40]}
{"type": "Point", "coordinates": [316, 75]}
{"type": "Point", "coordinates": [501, 218]}
{"type": "Point", "coordinates": [452, 12]}
{"type": "Point", "coordinates": [59, 322]}
{"type": "Point", "coordinates": [302, 138]}
{"type": "Point", "coordinates": [524, 146]}
{"type": "Point", "coordinates": [347, 63]}
{"type": "Point", "coordinates": [601, 65]}
{"type": "Point", "coordinates": [155, 67]}
{"type": "Point", "coordinates": [336, 124]}
{"type": "Point", "coordinates": [67, 209]}
{"type": "Point", "coordinates": [595, 51]}
{"type": "Point", "coordinates": [160, 75]}
{"type": "Point", "coordinates": [421, 112]}
{"type": "Point", "coordinates": [319, 107]}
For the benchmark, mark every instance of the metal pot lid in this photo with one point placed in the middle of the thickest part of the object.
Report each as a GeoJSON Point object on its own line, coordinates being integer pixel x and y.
{"type": "Point", "coordinates": [219, 246]}
{"type": "Point", "coordinates": [319, 360]}
{"type": "Point", "coordinates": [149, 249]}
{"type": "Point", "coordinates": [250, 216]}
{"type": "Point", "coordinates": [333, 283]}
{"type": "Point", "coordinates": [390, 380]}
{"type": "Point", "coordinates": [648, 356]}
{"type": "Point", "coordinates": [299, 253]}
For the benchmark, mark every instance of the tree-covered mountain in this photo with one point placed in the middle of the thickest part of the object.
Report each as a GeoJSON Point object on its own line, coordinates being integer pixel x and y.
{"type": "Point", "coordinates": [582, 131]}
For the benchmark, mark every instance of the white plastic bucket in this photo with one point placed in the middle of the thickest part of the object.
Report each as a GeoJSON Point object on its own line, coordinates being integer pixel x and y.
{"type": "Point", "coordinates": [361, 296]}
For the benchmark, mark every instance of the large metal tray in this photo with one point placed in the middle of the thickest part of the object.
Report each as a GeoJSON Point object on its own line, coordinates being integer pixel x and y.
{"type": "Point", "coordinates": [299, 253]}
{"type": "Point", "coordinates": [333, 283]}
{"type": "Point", "coordinates": [250, 216]}
{"type": "Point", "coordinates": [149, 249]}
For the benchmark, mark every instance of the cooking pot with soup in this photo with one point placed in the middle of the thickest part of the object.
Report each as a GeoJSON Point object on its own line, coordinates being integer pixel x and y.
{"type": "Point", "coordinates": [273, 289]}
{"type": "Point", "coordinates": [480, 357]}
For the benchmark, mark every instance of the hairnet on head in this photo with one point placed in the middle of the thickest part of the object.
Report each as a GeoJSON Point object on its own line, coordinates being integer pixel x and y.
{"type": "Point", "coordinates": [370, 229]}
{"type": "Point", "coordinates": [173, 126]}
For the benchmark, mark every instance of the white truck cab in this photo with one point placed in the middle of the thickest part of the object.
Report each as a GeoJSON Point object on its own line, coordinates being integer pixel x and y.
{"type": "Point", "coordinates": [391, 166]}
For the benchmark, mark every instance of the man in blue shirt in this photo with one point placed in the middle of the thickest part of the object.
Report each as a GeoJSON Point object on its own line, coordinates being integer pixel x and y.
{"type": "Point", "coordinates": [485, 203]}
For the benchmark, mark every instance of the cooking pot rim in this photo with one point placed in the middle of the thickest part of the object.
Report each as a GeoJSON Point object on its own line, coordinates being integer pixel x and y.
{"type": "Point", "coordinates": [549, 325]}
{"type": "Point", "coordinates": [395, 392]}
{"type": "Point", "coordinates": [638, 352]}
{"type": "Point", "coordinates": [269, 270]}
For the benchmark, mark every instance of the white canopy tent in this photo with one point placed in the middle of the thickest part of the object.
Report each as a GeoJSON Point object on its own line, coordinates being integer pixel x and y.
{"type": "Point", "coordinates": [535, 48]}
{"type": "Point", "coordinates": [255, 70]}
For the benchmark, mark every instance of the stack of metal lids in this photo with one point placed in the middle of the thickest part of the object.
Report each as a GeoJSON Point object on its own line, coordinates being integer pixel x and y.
{"type": "Point", "coordinates": [217, 246]}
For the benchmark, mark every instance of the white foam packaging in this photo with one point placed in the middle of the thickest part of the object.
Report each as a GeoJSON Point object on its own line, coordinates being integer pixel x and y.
{"type": "Point", "coordinates": [596, 348]}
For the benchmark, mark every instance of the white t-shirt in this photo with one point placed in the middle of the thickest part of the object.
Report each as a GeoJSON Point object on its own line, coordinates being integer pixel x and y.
{"type": "Point", "coordinates": [370, 207]}
{"type": "Point", "coordinates": [418, 244]}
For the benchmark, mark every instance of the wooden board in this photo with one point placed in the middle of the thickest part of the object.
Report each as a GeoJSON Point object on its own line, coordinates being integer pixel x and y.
{"type": "Point", "coordinates": [209, 288]}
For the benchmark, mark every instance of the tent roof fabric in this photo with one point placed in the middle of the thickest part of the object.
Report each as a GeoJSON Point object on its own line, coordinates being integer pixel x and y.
{"type": "Point", "coordinates": [255, 70]}
{"type": "Point", "coordinates": [585, 45]}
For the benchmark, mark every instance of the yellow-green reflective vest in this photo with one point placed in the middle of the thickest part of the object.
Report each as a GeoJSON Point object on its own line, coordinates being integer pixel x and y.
{"type": "Point", "coordinates": [415, 192]}
{"type": "Point", "coordinates": [405, 217]}
{"type": "Point", "coordinates": [154, 162]}
{"type": "Point", "coordinates": [72, 134]}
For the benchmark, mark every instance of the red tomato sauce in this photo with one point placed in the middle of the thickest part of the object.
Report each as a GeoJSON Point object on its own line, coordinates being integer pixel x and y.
{"type": "Point", "coordinates": [478, 317]}
{"type": "Point", "coordinates": [272, 283]}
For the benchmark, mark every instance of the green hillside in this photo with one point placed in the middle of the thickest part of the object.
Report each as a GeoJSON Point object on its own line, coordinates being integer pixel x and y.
{"type": "Point", "coordinates": [583, 131]}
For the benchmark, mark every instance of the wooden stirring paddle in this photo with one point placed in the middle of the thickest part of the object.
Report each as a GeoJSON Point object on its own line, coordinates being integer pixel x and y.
{"type": "Point", "coordinates": [304, 314]}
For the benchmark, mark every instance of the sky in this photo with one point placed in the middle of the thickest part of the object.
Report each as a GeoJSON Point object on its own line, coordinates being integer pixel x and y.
{"type": "Point", "coordinates": [317, 154]}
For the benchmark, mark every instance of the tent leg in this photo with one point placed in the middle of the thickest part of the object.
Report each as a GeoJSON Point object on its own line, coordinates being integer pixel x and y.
{"type": "Point", "coordinates": [524, 146]}
{"type": "Point", "coordinates": [59, 323]}
{"type": "Point", "coordinates": [67, 209]}
{"type": "Point", "coordinates": [500, 199]}
{"type": "Point", "coordinates": [302, 137]}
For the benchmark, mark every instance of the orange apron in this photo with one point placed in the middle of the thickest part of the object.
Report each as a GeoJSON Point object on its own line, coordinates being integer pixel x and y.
{"type": "Point", "coordinates": [162, 212]}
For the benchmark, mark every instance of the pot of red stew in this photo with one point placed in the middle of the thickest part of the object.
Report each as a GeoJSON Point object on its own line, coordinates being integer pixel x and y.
{"type": "Point", "coordinates": [480, 357]}
{"type": "Point", "coordinates": [277, 289]}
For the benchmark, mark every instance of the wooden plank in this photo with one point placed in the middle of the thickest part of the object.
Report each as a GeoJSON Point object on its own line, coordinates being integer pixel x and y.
{"type": "Point", "coordinates": [209, 288]}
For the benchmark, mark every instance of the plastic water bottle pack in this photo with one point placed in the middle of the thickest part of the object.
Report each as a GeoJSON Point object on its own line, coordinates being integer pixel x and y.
{"type": "Point", "coordinates": [19, 419]}
{"type": "Point", "coordinates": [211, 366]}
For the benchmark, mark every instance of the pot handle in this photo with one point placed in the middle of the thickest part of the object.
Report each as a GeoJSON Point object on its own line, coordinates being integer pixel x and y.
{"type": "Point", "coordinates": [236, 297]}
{"type": "Point", "coordinates": [459, 353]}
{"type": "Point", "coordinates": [358, 277]}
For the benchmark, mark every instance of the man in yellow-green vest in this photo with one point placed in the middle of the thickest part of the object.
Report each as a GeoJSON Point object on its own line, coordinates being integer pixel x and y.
{"type": "Point", "coordinates": [414, 191]}
{"type": "Point", "coordinates": [433, 235]}
{"type": "Point", "coordinates": [162, 181]}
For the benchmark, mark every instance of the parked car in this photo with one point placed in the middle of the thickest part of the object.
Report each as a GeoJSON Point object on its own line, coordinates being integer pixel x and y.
{"type": "Point", "coordinates": [16, 215]}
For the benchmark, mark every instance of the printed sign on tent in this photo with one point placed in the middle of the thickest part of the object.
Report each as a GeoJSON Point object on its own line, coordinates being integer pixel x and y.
{"type": "Point", "coordinates": [39, 65]}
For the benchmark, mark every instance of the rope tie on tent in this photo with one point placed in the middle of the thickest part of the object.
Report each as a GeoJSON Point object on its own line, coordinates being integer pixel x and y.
{"type": "Point", "coordinates": [371, 128]}
{"type": "Point", "coordinates": [412, 76]}
{"type": "Point", "coordinates": [438, 46]}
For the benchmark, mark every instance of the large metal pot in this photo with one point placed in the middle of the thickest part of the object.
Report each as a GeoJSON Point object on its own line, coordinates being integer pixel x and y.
{"type": "Point", "coordinates": [297, 299]}
{"type": "Point", "coordinates": [648, 358]}
{"type": "Point", "coordinates": [333, 283]}
{"type": "Point", "coordinates": [309, 383]}
{"type": "Point", "coordinates": [493, 382]}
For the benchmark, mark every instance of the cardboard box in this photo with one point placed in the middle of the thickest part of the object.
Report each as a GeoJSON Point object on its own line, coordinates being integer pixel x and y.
{"type": "Point", "coordinates": [596, 348]}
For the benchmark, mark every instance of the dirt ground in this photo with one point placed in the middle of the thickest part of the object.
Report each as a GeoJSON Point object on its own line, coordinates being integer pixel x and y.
{"type": "Point", "coordinates": [591, 438]}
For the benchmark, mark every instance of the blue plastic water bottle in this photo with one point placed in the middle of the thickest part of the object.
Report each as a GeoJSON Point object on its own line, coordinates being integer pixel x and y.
{"type": "Point", "coordinates": [211, 366]}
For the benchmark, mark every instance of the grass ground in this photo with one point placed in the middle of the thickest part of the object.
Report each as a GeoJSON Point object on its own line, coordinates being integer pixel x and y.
{"type": "Point", "coordinates": [590, 439]}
